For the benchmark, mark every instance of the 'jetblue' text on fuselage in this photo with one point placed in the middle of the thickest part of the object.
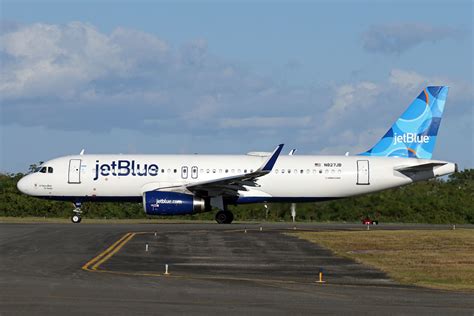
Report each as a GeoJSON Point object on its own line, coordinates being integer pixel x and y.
{"type": "Point", "coordinates": [123, 168]}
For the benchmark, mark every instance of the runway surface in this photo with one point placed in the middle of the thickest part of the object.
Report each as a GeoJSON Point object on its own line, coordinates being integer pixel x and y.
{"type": "Point", "coordinates": [59, 269]}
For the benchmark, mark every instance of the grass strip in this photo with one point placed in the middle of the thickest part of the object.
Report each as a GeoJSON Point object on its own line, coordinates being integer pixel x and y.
{"type": "Point", "coordinates": [441, 259]}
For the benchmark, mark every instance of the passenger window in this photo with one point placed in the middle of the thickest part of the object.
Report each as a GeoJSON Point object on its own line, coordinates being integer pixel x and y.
{"type": "Point", "coordinates": [162, 170]}
{"type": "Point", "coordinates": [50, 169]}
{"type": "Point", "coordinates": [184, 172]}
{"type": "Point", "coordinates": [289, 170]}
{"type": "Point", "coordinates": [276, 170]}
{"type": "Point", "coordinates": [43, 170]}
{"type": "Point", "coordinates": [213, 170]}
{"type": "Point", "coordinates": [282, 170]}
{"type": "Point", "coordinates": [251, 170]}
{"type": "Point", "coordinates": [226, 170]}
{"type": "Point", "coordinates": [301, 171]}
{"type": "Point", "coordinates": [233, 170]}
{"type": "Point", "coordinates": [307, 170]}
{"type": "Point", "coordinates": [245, 170]}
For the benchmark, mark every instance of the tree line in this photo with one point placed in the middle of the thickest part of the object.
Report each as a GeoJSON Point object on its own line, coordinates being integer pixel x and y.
{"type": "Point", "coordinates": [437, 201]}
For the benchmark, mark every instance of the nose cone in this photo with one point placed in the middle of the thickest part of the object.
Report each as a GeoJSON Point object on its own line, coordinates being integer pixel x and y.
{"type": "Point", "coordinates": [24, 185]}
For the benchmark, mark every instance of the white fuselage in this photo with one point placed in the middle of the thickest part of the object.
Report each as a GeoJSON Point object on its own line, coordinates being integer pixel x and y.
{"type": "Point", "coordinates": [293, 178]}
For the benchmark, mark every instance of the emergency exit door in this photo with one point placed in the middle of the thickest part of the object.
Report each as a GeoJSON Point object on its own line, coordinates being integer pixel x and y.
{"type": "Point", "coordinates": [363, 173]}
{"type": "Point", "coordinates": [74, 175]}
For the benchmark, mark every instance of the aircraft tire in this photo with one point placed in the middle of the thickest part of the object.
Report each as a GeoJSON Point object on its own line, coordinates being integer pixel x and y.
{"type": "Point", "coordinates": [76, 219]}
{"type": "Point", "coordinates": [230, 217]}
{"type": "Point", "coordinates": [224, 217]}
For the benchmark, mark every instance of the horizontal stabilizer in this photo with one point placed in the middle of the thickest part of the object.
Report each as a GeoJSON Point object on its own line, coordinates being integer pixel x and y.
{"type": "Point", "coordinates": [419, 168]}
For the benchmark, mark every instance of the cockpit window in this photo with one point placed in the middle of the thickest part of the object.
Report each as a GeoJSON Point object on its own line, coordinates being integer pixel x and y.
{"type": "Point", "coordinates": [50, 169]}
{"type": "Point", "coordinates": [43, 170]}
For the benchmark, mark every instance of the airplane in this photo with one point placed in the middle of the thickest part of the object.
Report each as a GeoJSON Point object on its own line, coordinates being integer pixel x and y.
{"type": "Point", "coordinates": [188, 184]}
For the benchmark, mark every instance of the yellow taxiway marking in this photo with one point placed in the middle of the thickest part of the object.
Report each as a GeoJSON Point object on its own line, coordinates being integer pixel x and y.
{"type": "Point", "coordinates": [94, 264]}
{"type": "Point", "coordinates": [116, 246]}
{"type": "Point", "coordinates": [106, 254]}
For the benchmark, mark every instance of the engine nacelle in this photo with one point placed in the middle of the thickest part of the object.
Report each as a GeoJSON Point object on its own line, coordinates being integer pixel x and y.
{"type": "Point", "coordinates": [172, 203]}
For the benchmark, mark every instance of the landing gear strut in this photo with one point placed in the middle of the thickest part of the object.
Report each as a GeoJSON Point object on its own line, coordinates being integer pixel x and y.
{"type": "Point", "coordinates": [224, 217]}
{"type": "Point", "coordinates": [76, 217]}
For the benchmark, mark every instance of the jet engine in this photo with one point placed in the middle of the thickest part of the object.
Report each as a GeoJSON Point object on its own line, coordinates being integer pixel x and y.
{"type": "Point", "coordinates": [173, 203]}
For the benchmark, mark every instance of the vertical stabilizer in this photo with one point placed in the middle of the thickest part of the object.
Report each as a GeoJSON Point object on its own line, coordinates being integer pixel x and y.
{"type": "Point", "coordinates": [414, 134]}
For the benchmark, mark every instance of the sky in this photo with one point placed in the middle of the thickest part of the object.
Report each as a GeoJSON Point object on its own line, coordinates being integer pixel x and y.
{"type": "Point", "coordinates": [325, 77]}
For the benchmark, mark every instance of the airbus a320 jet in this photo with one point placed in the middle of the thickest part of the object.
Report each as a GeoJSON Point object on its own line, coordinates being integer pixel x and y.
{"type": "Point", "coordinates": [188, 184]}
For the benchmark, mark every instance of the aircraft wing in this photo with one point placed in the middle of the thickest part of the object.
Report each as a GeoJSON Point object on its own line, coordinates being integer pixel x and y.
{"type": "Point", "coordinates": [226, 186]}
{"type": "Point", "coordinates": [230, 185]}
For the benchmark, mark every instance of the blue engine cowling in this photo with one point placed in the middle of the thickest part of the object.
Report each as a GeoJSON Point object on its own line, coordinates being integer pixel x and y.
{"type": "Point", "coordinates": [172, 203]}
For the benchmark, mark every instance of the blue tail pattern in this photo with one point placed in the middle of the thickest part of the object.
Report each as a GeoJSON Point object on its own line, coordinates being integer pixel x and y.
{"type": "Point", "coordinates": [414, 134]}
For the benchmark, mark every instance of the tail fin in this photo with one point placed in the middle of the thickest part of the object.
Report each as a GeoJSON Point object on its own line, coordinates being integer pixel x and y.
{"type": "Point", "coordinates": [414, 134]}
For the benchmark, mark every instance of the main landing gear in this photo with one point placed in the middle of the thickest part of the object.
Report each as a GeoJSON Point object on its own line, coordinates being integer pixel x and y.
{"type": "Point", "coordinates": [76, 217]}
{"type": "Point", "coordinates": [224, 217]}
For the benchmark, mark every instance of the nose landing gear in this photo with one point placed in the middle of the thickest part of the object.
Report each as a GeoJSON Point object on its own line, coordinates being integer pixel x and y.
{"type": "Point", "coordinates": [76, 217]}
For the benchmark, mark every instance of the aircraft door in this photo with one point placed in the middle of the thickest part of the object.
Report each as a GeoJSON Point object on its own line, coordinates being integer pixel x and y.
{"type": "Point", "coordinates": [74, 175]}
{"type": "Point", "coordinates": [363, 174]}
{"type": "Point", "coordinates": [194, 172]}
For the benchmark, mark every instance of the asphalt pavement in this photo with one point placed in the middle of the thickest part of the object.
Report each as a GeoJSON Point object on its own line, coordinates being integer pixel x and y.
{"type": "Point", "coordinates": [59, 269]}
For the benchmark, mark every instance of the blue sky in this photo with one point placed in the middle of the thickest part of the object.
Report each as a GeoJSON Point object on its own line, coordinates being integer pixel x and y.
{"type": "Point", "coordinates": [232, 77]}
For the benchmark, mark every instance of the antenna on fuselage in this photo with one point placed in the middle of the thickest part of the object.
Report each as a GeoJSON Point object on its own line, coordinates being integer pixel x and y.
{"type": "Point", "coordinates": [292, 152]}
{"type": "Point", "coordinates": [82, 152]}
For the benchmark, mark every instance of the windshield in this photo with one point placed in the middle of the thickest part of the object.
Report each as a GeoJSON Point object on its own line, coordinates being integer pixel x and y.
{"type": "Point", "coordinates": [44, 169]}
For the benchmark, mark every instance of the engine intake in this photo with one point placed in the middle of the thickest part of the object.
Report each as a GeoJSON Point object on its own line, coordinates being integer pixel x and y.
{"type": "Point", "coordinates": [172, 203]}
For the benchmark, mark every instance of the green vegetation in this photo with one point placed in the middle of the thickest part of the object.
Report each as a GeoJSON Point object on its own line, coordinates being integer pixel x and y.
{"type": "Point", "coordinates": [435, 201]}
{"type": "Point", "coordinates": [442, 259]}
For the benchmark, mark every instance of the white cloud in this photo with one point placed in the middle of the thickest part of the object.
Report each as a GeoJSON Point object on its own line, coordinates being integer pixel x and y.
{"type": "Point", "coordinates": [132, 79]}
{"type": "Point", "coordinates": [55, 61]}
{"type": "Point", "coordinates": [409, 82]}
{"type": "Point", "coordinates": [350, 98]}
{"type": "Point", "coordinates": [407, 79]}
{"type": "Point", "coordinates": [397, 38]}
{"type": "Point", "coordinates": [265, 122]}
